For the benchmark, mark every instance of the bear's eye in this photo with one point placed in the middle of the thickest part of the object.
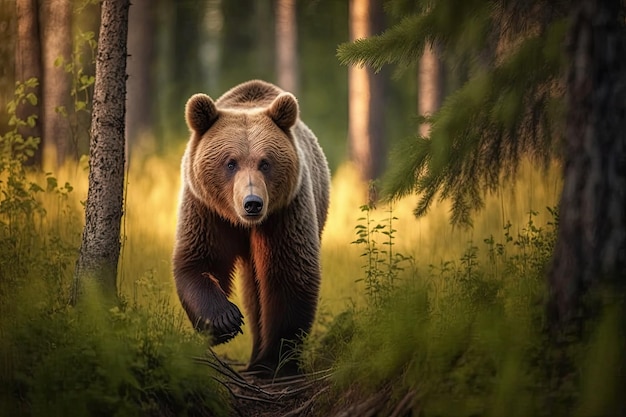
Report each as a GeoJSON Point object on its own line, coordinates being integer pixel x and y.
{"type": "Point", "coordinates": [231, 165]}
{"type": "Point", "coordinates": [264, 166]}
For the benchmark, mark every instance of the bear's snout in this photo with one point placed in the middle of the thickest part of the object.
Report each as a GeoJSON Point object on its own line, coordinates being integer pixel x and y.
{"type": "Point", "coordinates": [253, 205]}
{"type": "Point", "coordinates": [250, 199]}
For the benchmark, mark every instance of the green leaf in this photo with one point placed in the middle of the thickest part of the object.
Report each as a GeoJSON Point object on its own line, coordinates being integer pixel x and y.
{"type": "Point", "coordinates": [34, 187]}
{"type": "Point", "coordinates": [61, 110]}
{"type": "Point", "coordinates": [51, 184]}
{"type": "Point", "coordinates": [32, 98]}
{"type": "Point", "coordinates": [87, 80]}
{"type": "Point", "coordinates": [31, 83]}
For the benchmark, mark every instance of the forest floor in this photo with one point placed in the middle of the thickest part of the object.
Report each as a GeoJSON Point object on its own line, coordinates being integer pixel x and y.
{"type": "Point", "coordinates": [307, 395]}
{"type": "Point", "coordinates": [278, 397]}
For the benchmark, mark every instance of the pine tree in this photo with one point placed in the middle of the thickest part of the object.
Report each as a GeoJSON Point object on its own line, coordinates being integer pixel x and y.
{"type": "Point", "coordinates": [591, 245]}
{"type": "Point", "coordinates": [546, 80]}
{"type": "Point", "coordinates": [510, 106]}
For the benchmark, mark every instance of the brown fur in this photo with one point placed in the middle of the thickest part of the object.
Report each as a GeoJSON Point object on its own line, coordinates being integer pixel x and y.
{"type": "Point", "coordinates": [255, 195]}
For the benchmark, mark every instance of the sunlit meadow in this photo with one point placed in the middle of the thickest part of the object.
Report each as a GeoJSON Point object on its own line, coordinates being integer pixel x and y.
{"type": "Point", "coordinates": [461, 299]}
{"type": "Point", "coordinates": [152, 191]}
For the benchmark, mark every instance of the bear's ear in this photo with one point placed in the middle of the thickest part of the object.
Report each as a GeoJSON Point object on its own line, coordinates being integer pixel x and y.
{"type": "Point", "coordinates": [284, 111]}
{"type": "Point", "coordinates": [200, 113]}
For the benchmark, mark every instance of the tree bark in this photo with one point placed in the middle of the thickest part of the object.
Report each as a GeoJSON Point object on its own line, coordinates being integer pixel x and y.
{"type": "Point", "coordinates": [28, 65]}
{"type": "Point", "coordinates": [591, 244]}
{"type": "Point", "coordinates": [100, 246]}
{"type": "Point", "coordinates": [56, 28]}
{"type": "Point", "coordinates": [366, 102]}
{"type": "Point", "coordinates": [429, 81]}
{"type": "Point", "coordinates": [286, 46]}
{"type": "Point", "coordinates": [8, 33]}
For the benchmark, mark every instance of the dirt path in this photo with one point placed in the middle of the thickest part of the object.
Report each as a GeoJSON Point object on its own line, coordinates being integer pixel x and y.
{"type": "Point", "coordinates": [307, 396]}
{"type": "Point", "coordinates": [281, 397]}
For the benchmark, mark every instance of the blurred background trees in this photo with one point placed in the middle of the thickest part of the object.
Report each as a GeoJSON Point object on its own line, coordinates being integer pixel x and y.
{"type": "Point", "coordinates": [517, 103]}
{"type": "Point", "coordinates": [177, 48]}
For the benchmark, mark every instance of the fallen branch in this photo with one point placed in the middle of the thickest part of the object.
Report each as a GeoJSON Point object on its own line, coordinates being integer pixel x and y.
{"type": "Point", "coordinates": [307, 404]}
{"type": "Point", "coordinates": [404, 405]}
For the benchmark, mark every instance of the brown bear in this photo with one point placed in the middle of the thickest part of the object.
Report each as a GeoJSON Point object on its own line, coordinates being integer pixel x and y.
{"type": "Point", "coordinates": [255, 193]}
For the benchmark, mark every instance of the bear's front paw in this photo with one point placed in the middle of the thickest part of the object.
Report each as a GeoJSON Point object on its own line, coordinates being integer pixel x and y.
{"type": "Point", "coordinates": [224, 324]}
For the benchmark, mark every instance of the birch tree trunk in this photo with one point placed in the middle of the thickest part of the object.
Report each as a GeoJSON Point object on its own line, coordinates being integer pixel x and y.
{"type": "Point", "coordinates": [591, 245]}
{"type": "Point", "coordinates": [100, 246]}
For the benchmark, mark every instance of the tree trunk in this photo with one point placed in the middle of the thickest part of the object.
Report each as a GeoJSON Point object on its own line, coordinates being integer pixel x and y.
{"type": "Point", "coordinates": [286, 46]}
{"type": "Point", "coordinates": [8, 33]}
{"type": "Point", "coordinates": [56, 26]}
{"type": "Point", "coordinates": [211, 48]}
{"type": "Point", "coordinates": [366, 103]}
{"type": "Point", "coordinates": [262, 45]}
{"type": "Point", "coordinates": [100, 246]}
{"type": "Point", "coordinates": [28, 65]}
{"type": "Point", "coordinates": [429, 81]}
{"type": "Point", "coordinates": [141, 61]}
{"type": "Point", "coordinates": [591, 245]}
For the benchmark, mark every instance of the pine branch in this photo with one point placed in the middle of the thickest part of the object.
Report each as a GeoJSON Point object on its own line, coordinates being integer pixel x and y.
{"type": "Point", "coordinates": [508, 108]}
{"type": "Point", "coordinates": [402, 44]}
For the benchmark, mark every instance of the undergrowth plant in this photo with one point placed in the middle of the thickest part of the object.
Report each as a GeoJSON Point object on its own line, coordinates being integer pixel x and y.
{"type": "Point", "coordinates": [382, 264]}
{"type": "Point", "coordinates": [466, 335]}
{"type": "Point", "coordinates": [80, 67]}
{"type": "Point", "coordinates": [25, 233]}
{"type": "Point", "coordinates": [59, 360]}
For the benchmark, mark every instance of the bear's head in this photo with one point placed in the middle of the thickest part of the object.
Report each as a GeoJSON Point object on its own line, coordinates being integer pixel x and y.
{"type": "Point", "coordinates": [242, 163]}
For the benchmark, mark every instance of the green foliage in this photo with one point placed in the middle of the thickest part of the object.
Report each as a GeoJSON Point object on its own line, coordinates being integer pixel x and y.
{"type": "Point", "coordinates": [58, 360]}
{"type": "Point", "coordinates": [80, 67]}
{"type": "Point", "coordinates": [510, 105]}
{"type": "Point", "coordinates": [22, 214]}
{"type": "Point", "coordinates": [469, 337]}
{"type": "Point", "coordinates": [81, 81]}
{"type": "Point", "coordinates": [88, 361]}
{"type": "Point", "coordinates": [382, 265]}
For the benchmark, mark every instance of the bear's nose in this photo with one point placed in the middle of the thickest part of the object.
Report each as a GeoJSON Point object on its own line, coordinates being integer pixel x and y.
{"type": "Point", "coordinates": [252, 204]}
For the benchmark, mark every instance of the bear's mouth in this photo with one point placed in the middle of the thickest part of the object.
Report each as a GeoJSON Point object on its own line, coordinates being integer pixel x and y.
{"type": "Point", "coordinates": [251, 219]}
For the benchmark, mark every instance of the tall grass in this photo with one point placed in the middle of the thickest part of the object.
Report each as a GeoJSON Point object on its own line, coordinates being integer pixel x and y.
{"type": "Point", "coordinates": [462, 326]}
{"type": "Point", "coordinates": [56, 360]}
{"type": "Point", "coordinates": [459, 322]}
{"type": "Point", "coordinates": [457, 332]}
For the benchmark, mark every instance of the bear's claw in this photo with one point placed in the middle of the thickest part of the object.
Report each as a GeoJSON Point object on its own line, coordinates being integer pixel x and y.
{"type": "Point", "coordinates": [226, 325]}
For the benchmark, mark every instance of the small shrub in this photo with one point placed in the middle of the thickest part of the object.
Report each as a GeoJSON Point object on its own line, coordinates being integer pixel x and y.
{"type": "Point", "coordinates": [465, 334]}
{"type": "Point", "coordinates": [382, 264]}
{"type": "Point", "coordinates": [59, 360]}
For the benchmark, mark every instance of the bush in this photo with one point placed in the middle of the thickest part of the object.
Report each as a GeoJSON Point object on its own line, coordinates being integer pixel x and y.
{"type": "Point", "coordinates": [59, 360]}
{"type": "Point", "coordinates": [466, 335]}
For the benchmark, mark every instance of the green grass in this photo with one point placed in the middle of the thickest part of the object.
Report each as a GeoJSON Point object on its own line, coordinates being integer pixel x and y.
{"type": "Point", "coordinates": [457, 332]}
{"type": "Point", "coordinates": [461, 323]}
{"type": "Point", "coordinates": [133, 359]}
